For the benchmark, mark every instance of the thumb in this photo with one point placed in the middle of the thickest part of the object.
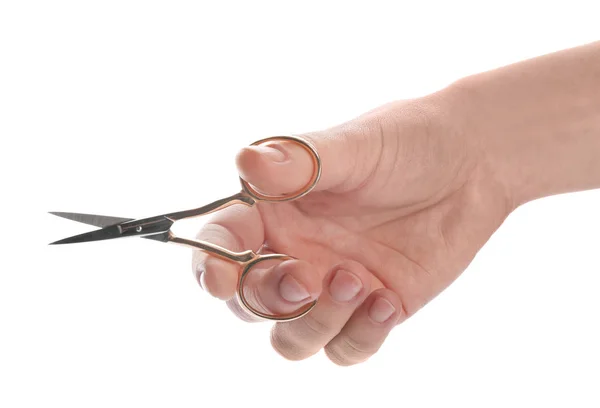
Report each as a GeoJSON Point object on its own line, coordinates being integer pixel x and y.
{"type": "Point", "coordinates": [284, 166]}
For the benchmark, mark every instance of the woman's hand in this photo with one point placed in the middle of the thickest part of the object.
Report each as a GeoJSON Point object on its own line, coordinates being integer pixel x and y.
{"type": "Point", "coordinates": [409, 194]}
{"type": "Point", "coordinates": [402, 207]}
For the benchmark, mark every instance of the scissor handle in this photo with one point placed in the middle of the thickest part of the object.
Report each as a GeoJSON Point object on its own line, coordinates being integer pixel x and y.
{"type": "Point", "coordinates": [316, 159]}
{"type": "Point", "coordinates": [248, 267]}
{"type": "Point", "coordinates": [249, 260]}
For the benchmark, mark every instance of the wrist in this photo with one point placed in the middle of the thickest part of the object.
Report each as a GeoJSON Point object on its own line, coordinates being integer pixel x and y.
{"type": "Point", "coordinates": [536, 124]}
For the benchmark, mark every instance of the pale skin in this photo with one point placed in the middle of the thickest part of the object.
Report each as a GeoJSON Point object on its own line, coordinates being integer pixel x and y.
{"type": "Point", "coordinates": [409, 194]}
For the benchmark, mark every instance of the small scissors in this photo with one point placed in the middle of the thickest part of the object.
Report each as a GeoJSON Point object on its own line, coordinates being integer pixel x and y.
{"type": "Point", "coordinates": [158, 228]}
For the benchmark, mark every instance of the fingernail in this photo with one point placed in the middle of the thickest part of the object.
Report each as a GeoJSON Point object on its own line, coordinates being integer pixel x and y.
{"type": "Point", "coordinates": [292, 290]}
{"type": "Point", "coordinates": [344, 286]}
{"type": "Point", "coordinates": [276, 152]}
{"type": "Point", "coordinates": [381, 310]}
{"type": "Point", "coordinates": [199, 274]}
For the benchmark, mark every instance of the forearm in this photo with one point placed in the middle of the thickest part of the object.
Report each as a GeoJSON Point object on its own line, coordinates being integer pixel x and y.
{"type": "Point", "coordinates": [538, 122]}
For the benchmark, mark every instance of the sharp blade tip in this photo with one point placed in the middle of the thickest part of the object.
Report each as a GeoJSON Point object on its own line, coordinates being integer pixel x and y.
{"type": "Point", "coordinates": [59, 242]}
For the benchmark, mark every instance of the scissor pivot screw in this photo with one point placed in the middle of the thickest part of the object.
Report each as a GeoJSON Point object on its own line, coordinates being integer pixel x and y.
{"type": "Point", "coordinates": [139, 228]}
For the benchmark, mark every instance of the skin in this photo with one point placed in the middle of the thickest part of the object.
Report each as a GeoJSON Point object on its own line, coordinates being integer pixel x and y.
{"type": "Point", "coordinates": [409, 194]}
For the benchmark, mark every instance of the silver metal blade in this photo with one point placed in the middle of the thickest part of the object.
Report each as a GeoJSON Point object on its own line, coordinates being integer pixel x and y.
{"type": "Point", "coordinates": [98, 235]}
{"type": "Point", "coordinates": [92, 219]}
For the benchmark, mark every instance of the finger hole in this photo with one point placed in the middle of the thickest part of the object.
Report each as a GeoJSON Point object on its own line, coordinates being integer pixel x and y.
{"type": "Point", "coordinates": [281, 155]}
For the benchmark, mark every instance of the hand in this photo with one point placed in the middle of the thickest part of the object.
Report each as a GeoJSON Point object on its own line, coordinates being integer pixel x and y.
{"type": "Point", "coordinates": [403, 206]}
{"type": "Point", "coordinates": [409, 193]}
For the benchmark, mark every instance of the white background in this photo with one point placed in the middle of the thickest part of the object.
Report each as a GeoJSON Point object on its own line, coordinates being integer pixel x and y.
{"type": "Point", "coordinates": [133, 109]}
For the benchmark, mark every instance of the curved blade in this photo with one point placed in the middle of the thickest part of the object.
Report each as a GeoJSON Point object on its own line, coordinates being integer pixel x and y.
{"type": "Point", "coordinates": [92, 219]}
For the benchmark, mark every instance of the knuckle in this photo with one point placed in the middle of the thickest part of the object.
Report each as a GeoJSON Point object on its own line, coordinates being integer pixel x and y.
{"type": "Point", "coordinates": [285, 345]}
{"type": "Point", "coordinates": [301, 338]}
{"type": "Point", "coordinates": [313, 327]}
{"type": "Point", "coordinates": [345, 351]}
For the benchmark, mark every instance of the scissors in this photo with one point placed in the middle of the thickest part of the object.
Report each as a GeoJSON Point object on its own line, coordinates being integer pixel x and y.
{"type": "Point", "coordinates": [158, 228]}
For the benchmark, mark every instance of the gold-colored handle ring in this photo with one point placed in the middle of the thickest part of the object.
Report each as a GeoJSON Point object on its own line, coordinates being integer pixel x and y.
{"type": "Point", "coordinates": [257, 195]}
{"type": "Point", "coordinates": [302, 311]}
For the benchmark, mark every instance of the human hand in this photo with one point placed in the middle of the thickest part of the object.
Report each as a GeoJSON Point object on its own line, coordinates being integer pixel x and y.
{"type": "Point", "coordinates": [408, 195]}
{"type": "Point", "coordinates": [402, 207]}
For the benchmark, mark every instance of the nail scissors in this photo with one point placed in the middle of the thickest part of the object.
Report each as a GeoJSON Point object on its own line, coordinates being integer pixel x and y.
{"type": "Point", "coordinates": [158, 228]}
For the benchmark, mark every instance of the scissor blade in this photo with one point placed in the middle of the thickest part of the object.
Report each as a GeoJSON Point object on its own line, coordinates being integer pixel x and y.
{"type": "Point", "coordinates": [110, 232]}
{"type": "Point", "coordinates": [92, 219]}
